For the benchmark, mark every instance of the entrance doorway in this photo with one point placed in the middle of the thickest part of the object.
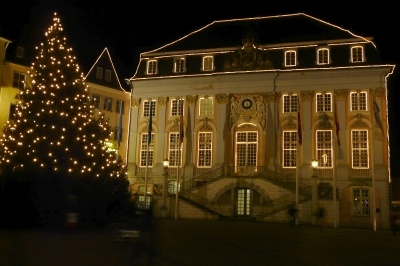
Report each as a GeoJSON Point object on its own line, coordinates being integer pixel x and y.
{"type": "Point", "coordinates": [244, 196]}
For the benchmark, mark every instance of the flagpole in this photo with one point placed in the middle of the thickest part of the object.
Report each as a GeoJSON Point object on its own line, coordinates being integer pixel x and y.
{"type": "Point", "coordinates": [299, 141]}
{"type": "Point", "coordinates": [180, 105]}
{"type": "Point", "coordinates": [147, 153]}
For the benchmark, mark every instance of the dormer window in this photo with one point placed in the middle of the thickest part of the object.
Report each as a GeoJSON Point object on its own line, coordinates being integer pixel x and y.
{"type": "Point", "coordinates": [323, 56]}
{"type": "Point", "coordinates": [357, 54]}
{"type": "Point", "coordinates": [208, 63]}
{"type": "Point", "coordinates": [290, 58]}
{"type": "Point", "coordinates": [99, 73]}
{"type": "Point", "coordinates": [20, 52]}
{"type": "Point", "coordinates": [179, 65]}
{"type": "Point", "coordinates": [107, 77]}
{"type": "Point", "coordinates": [151, 67]}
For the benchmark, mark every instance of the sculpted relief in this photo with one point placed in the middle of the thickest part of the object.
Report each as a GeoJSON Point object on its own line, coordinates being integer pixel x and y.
{"type": "Point", "coordinates": [247, 108]}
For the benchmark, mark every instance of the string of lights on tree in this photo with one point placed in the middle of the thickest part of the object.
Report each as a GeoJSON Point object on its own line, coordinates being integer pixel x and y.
{"type": "Point", "coordinates": [54, 129]}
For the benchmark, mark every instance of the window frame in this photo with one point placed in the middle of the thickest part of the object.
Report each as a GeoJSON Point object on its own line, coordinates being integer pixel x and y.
{"type": "Point", "coordinates": [324, 147]}
{"type": "Point", "coordinates": [152, 67]}
{"type": "Point", "coordinates": [175, 111]}
{"type": "Point", "coordinates": [357, 56]}
{"type": "Point", "coordinates": [323, 104]}
{"type": "Point", "coordinates": [247, 143]}
{"type": "Point", "coordinates": [323, 59]}
{"type": "Point", "coordinates": [290, 104]}
{"type": "Point", "coordinates": [143, 150]}
{"type": "Point", "coordinates": [359, 101]}
{"type": "Point", "coordinates": [357, 160]}
{"type": "Point", "coordinates": [290, 61]}
{"type": "Point", "coordinates": [204, 150]}
{"type": "Point", "coordinates": [117, 106]}
{"type": "Point", "coordinates": [94, 101]}
{"type": "Point", "coordinates": [107, 76]}
{"type": "Point", "coordinates": [291, 150]}
{"type": "Point", "coordinates": [19, 83]}
{"type": "Point", "coordinates": [208, 66]}
{"type": "Point", "coordinates": [174, 146]}
{"type": "Point", "coordinates": [99, 72]}
{"type": "Point", "coordinates": [206, 108]}
{"type": "Point", "coordinates": [363, 203]}
{"type": "Point", "coordinates": [179, 64]}
{"type": "Point", "coordinates": [107, 107]}
{"type": "Point", "coordinates": [146, 109]}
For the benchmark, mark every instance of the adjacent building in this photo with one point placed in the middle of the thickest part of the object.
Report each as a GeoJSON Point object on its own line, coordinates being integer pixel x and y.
{"type": "Point", "coordinates": [13, 77]}
{"type": "Point", "coordinates": [109, 96]}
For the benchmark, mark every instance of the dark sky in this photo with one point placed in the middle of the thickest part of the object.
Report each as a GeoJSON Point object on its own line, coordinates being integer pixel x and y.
{"type": "Point", "coordinates": [130, 29]}
{"type": "Point", "coordinates": [139, 26]}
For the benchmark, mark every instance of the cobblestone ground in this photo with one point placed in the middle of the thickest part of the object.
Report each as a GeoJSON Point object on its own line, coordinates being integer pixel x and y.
{"type": "Point", "coordinates": [197, 242]}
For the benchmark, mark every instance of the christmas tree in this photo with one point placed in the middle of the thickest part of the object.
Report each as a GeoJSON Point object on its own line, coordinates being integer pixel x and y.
{"type": "Point", "coordinates": [55, 141]}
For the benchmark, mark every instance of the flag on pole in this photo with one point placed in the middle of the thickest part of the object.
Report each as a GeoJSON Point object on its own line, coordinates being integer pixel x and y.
{"type": "Point", "coordinates": [150, 124]}
{"type": "Point", "coordinates": [120, 123]}
{"type": "Point", "coordinates": [181, 134]}
{"type": "Point", "coordinates": [299, 127]}
{"type": "Point", "coordinates": [337, 124]}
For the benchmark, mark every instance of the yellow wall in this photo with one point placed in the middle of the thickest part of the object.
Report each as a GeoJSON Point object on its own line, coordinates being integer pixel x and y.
{"type": "Point", "coordinates": [7, 92]}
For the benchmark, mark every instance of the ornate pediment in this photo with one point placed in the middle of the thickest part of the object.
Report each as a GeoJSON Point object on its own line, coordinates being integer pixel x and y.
{"type": "Point", "coordinates": [248, 57]}
{"type": "Point", "coordinates": [324, 121]}
{"type": "Point", "coordinates": [247, 107]}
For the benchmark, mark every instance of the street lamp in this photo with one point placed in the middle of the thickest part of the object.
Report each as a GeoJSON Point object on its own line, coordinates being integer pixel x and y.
{"type": "Point", "coordinates": [164, 208]}
{"type": "Point", "coordinates": [314, 201]}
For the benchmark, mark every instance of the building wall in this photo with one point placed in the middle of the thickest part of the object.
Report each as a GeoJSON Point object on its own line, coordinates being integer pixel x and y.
{"type": "Point", "coordinates": [8, 92]}
{"type": "Point", "coordinates": [113, 115]}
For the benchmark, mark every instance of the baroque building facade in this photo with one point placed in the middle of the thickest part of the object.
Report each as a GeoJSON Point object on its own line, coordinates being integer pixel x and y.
{"type": "Point", "coordinates": [240, 108]}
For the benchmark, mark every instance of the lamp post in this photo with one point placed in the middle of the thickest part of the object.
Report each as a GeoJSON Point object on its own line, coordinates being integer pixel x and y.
{"type": "Point", "coordinates": [314, 202]}
{"type": "Point", "coordinates": [164, 208]}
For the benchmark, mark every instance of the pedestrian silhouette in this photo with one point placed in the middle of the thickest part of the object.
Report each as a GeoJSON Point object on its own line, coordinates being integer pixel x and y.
{"type": "Point", "coordinates": [293, 214]}
{"type": "Point", "coordinates": [321, 217]}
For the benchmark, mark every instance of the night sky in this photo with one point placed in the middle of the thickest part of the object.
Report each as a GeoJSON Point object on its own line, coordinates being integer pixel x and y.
{"type": "Point", "coordinates": [129, 29]}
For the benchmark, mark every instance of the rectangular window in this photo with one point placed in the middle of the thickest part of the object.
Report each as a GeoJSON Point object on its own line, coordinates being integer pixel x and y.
{"type": "Point", "coordinates": [146, 108]}
{"type": "Point", "coordinates": [359, 149]}
{"type": "Point", "coordinates": [151, 67]}
{"type": "Point", "coordinates": [358, 101]}
{"type": "Point", "coordinates": [95, 100]}
{"type": "Point", "coordinates": [148, 199]}
{"type": "Point", "coordinates": [357, 54]}
{"type": "Point", "coordinates": [289, 149]}
{"type": "Point", "coordinates": [290, 58]}
{"type": "Point", "coordinates": [246, 148]}
{"type": "Point", "coordinates": [290, 103]}
{"type": "Point", "coordinates": [176, 106]}
{"type": "Point", "coordinates": [20, 52]}
{"type": "Point", "coordinates": [174, 150]}
{"type": "Point", "coordinates": [115, 137]}
{"type": "Point", "coordinates": [324, 148]}
{"type": "Point", "coordinates": [324, 102]}
{"type": "Point", "coordinates": [19, 80]}
{"type": "Point", "coordinates": [143, 150]}
{"type": "Point", "coordinates": [208, 63]}
{"type": "Point", "coordinates": [120, 107]}
{"type": "Point", "coordinates": [107, 77]}
{"type": "Point", "coordinates": [99, 73]}
{"type": "Point", "coordinates": [206, 106]}
{"type": "Point", "coordinates": [361, 201]}
{"type": "Point", "coordinates": [323, 56]}
{"type": "Point", "coordinates": [204, 150]}
{"type": "Point", "coordinates": [107, 104]}
{"type": "Point", "coordinates": [179, 65]}
{"type": "Point", "coordinates": [12, 111]}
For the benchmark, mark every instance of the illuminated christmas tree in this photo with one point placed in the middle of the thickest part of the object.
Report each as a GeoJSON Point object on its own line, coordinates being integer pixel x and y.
{"type": "Point", "coordinates": [55, 136]}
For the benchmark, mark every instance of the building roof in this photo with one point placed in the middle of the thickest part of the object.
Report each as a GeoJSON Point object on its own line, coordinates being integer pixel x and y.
{"type": "Point", "coordinates": [271, 30]}
{"type": "Point", "coordinates": [105, 62]}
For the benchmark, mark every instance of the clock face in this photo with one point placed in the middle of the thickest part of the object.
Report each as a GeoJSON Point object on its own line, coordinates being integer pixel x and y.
{"type": "Point", "coordinates": [247, 104]}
